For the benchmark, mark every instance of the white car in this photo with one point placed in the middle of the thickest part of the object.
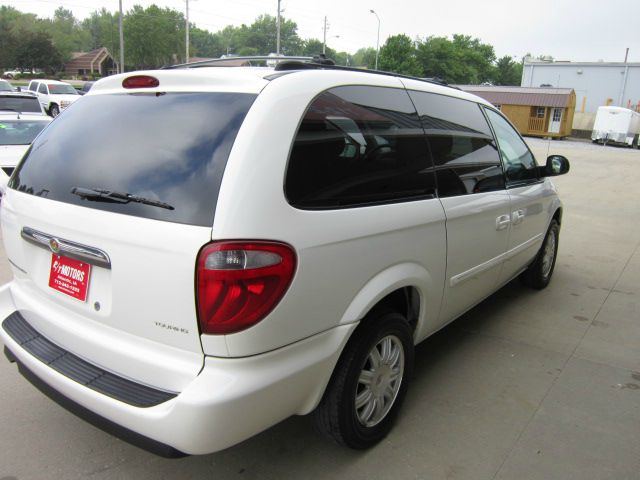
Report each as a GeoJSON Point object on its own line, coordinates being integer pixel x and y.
{"type": "Point", "coordinates": [54, 96]}
{"type": "Point", "coordinates": [11, 73]}
{"type": "Point", "coordinates": [21, 120]}
{"type": "Point", "coordinates": [6, 86]}
{"type": "Point", "coordinates": [222, 248]}
{"type": "Point", "coordinates": [16, 134]}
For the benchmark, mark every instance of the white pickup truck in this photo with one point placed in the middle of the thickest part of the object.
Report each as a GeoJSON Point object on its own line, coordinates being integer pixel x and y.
{"type": "Point", "coordinates": [54, 96]}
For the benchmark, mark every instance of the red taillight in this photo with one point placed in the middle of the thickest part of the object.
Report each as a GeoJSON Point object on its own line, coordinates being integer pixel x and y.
{"type": "Point", "coordinates": [140, 81]}
{"type": "Point", "coordinates": [239, 283]}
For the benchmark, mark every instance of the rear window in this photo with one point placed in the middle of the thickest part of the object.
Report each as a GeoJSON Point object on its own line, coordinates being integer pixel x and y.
{"type": "Point", "coordinates": [62, 89]}
{"type": "Point", "coordinates": [20, 132]}
{"type": "Point", "coordinates": [20, 104]}
{"type": "Point", "coordinates": [170, 149]}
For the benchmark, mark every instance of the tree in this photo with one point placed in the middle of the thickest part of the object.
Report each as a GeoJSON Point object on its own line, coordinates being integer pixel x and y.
{"type": "Point", "coordinates": [365, 57]}
{"type": "Point", "coordinates": [36, 50]}
{"type": "Point", "coordinates": [462, 60]}
{"type": "Point", "coordinates": [205, 44]}
{"type": "Point", "coordinates": [153, 37]}
{"type": "Point", "coordinates": [312, 46]}
{"type": "Point", "coordinates": [261, 36]}
{"type": "Point", "coordinates": [102, 29]}
{"type": "Point", "coordinates": [226, 36]}
{"type": "Point", "coordinates": [508, 71]}
{"type": "Point", "coordinates": [14, 25]}
{"type": "Point", "coordinates": [478, 57]}
{"type": "Point", "coordinates": [398, 54]}
{"type": "Point", "coordinates": [67, 34]}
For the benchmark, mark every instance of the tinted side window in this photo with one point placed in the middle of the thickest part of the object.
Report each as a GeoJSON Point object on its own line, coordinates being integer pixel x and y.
{"type": "Point", "coordinates": [464, 152]}
{"type": "Point", "coordinates": [33, 86]}
{"type": "Point", "coordinates": [519, 164]}
{"type": "Point", "coordinates": [358, 146]}
{"type": "Point", "coordinates": [42, 88]}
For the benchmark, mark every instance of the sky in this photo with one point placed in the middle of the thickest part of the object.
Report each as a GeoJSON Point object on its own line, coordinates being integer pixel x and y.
{"type": "Point", "coordinates": [585, 30]}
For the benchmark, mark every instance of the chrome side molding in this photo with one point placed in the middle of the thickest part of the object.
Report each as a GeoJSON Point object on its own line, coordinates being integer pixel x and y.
{"type": "Point", "coordinates": [70, 249]}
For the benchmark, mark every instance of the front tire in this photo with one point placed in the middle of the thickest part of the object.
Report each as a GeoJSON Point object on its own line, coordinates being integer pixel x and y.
{"type": "Point", "coordinates": [369, 383]}
{"type": "Point", "coordinates": [539, 273]}
{"type": "Point", "coordinates": [54, 110]}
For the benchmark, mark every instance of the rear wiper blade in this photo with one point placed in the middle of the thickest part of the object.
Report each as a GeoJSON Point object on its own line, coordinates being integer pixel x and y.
{"type": "Point", "coordinates": [101, 194]}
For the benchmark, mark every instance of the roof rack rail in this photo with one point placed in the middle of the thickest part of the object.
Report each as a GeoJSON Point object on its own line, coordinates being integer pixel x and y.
{"type": "Point", "coordinates": [285, 64]}
{"type": "Point", "coordinates": [238, 61]}
{"type": "Point", "coordinates": [296, 65]}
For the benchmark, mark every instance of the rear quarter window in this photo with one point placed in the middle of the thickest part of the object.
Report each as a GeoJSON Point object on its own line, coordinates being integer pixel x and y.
{"type": "Point", "coordinates": [170, 148]}
{"type": "Point", "coordinates": [359, 146]}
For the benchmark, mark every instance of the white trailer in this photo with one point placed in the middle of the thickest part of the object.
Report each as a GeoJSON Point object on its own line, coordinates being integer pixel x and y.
{"type": "Point", "coordinates": [616, 125]}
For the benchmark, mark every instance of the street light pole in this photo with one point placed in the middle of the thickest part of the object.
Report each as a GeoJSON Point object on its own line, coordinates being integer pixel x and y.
{"type": "Point", "coordinates": [121, 40]}
{"type": "Point", "coordinates": [378, 38]}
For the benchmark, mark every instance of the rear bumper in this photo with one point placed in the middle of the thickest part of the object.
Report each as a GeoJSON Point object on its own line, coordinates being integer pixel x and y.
{"type": "Point", "coordinates": [92, 418]}
{"type": "Point", "coordinates": [228, 402]}
{"type": "Point", "coordinates": [612, 137]}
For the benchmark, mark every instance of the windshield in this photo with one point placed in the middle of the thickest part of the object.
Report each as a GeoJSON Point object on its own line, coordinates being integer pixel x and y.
{"type": "Point", "coordinates": [20, 104]}
{"type": "Point", "coordinates": [19, 132]}
{"type": "Point", "coordinates": [5, 86]}
{"type": "Point", "coordinates": [61, 89]}
{"type": "Point", "coordinates": [170, 148]}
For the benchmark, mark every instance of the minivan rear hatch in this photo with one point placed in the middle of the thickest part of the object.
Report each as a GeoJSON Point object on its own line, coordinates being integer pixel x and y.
{"type": "Point", "coordinates": [103, 222]}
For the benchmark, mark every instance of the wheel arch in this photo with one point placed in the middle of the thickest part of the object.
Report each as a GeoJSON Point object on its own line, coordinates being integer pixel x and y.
{"type": "Point", "coordinates": [401, 287]}
{"type": "Point", "coordinates": [557, 216]}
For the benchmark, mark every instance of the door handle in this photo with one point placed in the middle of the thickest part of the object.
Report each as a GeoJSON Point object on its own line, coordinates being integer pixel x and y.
{"type": "Point", "coordinates": [502, 222]}
{"type": "Point", "coordinates": [517, 216]}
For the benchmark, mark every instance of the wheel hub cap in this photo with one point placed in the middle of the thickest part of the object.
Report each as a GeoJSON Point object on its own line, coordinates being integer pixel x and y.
{"type": "Point", "coordinates": [379, 381]}
{"type": "Point", "coordinates": [549, 254]}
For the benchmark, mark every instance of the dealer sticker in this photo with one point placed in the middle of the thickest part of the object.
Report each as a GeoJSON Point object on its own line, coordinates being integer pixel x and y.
{"type": "Point", "coordinates": [70, 276]}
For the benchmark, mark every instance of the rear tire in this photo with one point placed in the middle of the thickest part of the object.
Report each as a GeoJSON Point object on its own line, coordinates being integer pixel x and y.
{"type": "Point", "coordinates": [369, 383]}
{"type": "Point", "coordinates": [539, 273]}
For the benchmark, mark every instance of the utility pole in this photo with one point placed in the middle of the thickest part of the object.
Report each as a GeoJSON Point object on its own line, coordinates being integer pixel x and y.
{"type": "Point", "coordinates": [278, 31]}
{"type": "Point", "coordinates": [186, 27]}
{"type": "Point", "coordinates": [121, 40]}
{"type": "Point", "coordinates": [324, 40]}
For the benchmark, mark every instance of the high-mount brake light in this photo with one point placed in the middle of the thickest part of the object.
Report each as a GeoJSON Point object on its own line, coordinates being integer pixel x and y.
{"type": "Point", "coordinates": [240, 283]}
{"type": "Point", "coordinates": [140, 81]}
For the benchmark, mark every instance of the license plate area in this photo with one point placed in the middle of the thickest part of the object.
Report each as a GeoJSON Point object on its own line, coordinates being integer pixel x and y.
{"type": "Point", "coordinates": [70, 276]}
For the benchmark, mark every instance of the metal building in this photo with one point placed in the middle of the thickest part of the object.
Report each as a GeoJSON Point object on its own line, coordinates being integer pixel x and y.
{"type": "Point", "coordinates": [596, 84]}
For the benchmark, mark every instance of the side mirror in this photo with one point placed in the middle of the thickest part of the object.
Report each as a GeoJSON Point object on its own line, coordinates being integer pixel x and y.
{"type": "Point", "coordinates": [556, 165]}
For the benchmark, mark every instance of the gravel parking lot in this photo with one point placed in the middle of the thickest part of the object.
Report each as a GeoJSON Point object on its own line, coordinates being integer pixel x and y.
{"type": "Point", "coordinates": [528, 385]}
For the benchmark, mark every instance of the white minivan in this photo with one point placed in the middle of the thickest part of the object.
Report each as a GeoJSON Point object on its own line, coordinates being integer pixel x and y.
{"type": "Point", "coordinates": [222, 248]}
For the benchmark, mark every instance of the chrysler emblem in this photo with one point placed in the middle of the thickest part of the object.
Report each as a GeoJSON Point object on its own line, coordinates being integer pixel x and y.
{"type": "Point", "coordinates": [54, 245]}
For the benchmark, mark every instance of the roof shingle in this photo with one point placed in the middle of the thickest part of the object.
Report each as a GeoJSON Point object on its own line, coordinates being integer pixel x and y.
{"type": "Point", "coordinates": [538, 97]}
